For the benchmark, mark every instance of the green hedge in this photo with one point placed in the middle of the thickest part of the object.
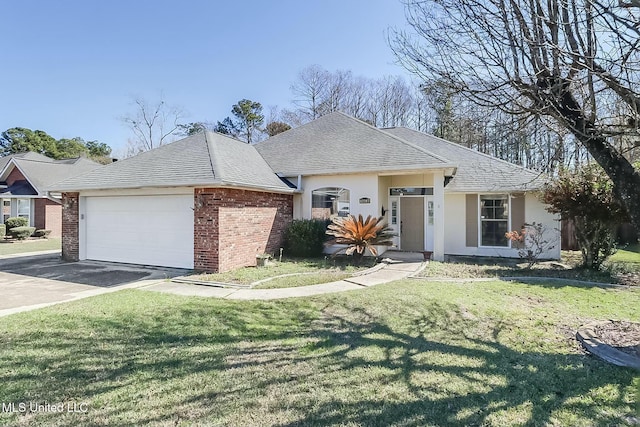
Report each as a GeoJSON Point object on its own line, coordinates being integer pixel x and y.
{"type": "Point", "coordinates": [3, 230]}
{"type": "Point", "coordinates": [305, 238]}
{"type": "Point", "coordinates": [41, 233]}
{"type": "Point", "coordinates": [16, 221]}
{"type": "Point", "coordinates": [21, 233]}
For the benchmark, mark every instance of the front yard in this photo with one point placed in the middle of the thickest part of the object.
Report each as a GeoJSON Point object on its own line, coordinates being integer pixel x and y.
{"type": "Point", "coordinates": [290, 272]}
{"type": "Point", "coordinates": [621, 268]}
{"type": "Point", "coordinates": [9, 247]}
{"type": "Point", "coordinates": [409, 353]}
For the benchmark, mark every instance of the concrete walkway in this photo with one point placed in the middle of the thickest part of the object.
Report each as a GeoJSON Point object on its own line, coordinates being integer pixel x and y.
{"type": "Point", "coordinates": [398, 265]}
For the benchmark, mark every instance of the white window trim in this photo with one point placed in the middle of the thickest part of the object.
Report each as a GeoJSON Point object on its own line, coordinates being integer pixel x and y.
{"type": "Point", "coordinates": [328, 186]}
{"type": "Point", "coordinates": [480, 245]}
{"type": "Point", "coordinates": [28, 214]}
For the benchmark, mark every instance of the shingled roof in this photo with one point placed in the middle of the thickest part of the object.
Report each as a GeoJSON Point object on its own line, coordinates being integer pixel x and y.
{"type": "Point", "coordinates": [41, 171]}
{"type": "Point", "coordinates": [338, 143]}
{"type": "Point", "coordinates": [205, 159]}
{"type": "Point", "coordinates": [476, 172]}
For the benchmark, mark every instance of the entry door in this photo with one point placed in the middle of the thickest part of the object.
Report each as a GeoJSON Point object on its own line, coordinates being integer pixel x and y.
{"type": "Point", "coordinates": [412, 223]}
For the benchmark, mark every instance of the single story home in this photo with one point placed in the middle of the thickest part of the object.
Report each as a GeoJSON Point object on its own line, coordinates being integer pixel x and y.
{"type": "Point", "coordinates": [212, 203]}
{"type": "Point", "coordinates": [24, 178]}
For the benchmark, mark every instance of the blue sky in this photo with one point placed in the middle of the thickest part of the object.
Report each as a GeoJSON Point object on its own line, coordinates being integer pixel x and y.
{"type": "Point", "coordinates": [71, 68]}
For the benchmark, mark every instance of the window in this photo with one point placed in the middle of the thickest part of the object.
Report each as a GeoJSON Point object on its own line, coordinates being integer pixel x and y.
{"type": "Point", "coordinates": [6, 209]}
{"type": "Point", "coordinates": [494, 220]}
{"type": "Point", "coordinates": [430, 212]}
{"type": "Point", "coordinates": [328, 202]}
{"type": "Point", "coordinates": [411, 191]}
{"type": "Point", "coordinates": [24, 208]}
{"type": "Point", "coordinates": [394, 212]}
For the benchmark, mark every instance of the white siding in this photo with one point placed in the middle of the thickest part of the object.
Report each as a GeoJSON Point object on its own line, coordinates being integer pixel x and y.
{"type": "Point", "coordinates": [455, 224]}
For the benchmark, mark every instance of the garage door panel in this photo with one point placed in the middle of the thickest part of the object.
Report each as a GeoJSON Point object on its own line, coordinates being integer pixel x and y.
{"type": "Point", "coordinates": [154, 230]}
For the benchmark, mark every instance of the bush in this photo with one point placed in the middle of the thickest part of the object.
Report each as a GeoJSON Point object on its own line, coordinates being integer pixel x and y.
{"type": "Point", "coordinates": [585, 195]}
{"type": "Point", "coordinates": [3, 230]}
{"type": "Point", "coordinates": [16, 221]}
{"type": "Point", "coordinates": [41, 233]}
{"type": "Point", "coordinates": [305, 238]}
{"type": "Point", "coordinates": [21, 233]}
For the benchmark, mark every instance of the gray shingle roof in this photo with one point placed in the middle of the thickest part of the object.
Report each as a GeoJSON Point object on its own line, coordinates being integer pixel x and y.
{"type": "Point", "coordinates": [42, 171]}
{"type": "Point", "coordinates": [207, 158]}
{"type": "Point", "coordinates": [337, 143]}
{"type": "Point", "coordinates": [41, 174]}
{"type": "Point", "coordinates": [477, 172]}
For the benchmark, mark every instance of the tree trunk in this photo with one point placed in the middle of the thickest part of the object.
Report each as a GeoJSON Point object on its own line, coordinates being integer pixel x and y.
{"type": "Point", "coordinates": [626, 180]}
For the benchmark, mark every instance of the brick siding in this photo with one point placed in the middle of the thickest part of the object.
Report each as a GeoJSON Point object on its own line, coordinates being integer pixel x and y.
{"type": "Point", "coordinates": [14, 176]}
{"type": "Point", "coordinates": [48, 216]}
{"type": "Point", "coordinates": [232, 226]}
{"type": "Point", "coordinates": [70, 227]}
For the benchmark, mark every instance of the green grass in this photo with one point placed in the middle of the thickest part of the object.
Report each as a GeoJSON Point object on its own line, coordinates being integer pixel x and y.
{"type": "Point", "coordinates": [314, 278]}
{"type": "Point", "coordinates": [9, 247]}
{"type": "Point", "coordinates": [327, 269]}
{"type": "Point", "coordinates": [410, 353]}
{"type": "Point", "coordinates": [623, 267]}
{"type": "Point", "coordinates": [627, 255]}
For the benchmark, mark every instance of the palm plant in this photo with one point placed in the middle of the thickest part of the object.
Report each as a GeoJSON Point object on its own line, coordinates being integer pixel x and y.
{"type": "Point", "coordinates": [360, 234]}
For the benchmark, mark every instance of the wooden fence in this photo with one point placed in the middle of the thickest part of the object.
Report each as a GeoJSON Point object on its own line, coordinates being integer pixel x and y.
{"type": "Point", "coordinates": [626, 235]}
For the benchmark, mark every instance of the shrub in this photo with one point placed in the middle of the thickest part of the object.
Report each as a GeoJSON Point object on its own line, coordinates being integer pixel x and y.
{"type": "Point", "coordinates": [586, 196]}
{"type": "Point", "coordinates": [531, 242]}
{"type": "Point", "coordinates": [21, 233]}
{"type": "Point", "coordinates": [41, 233]}
{"type": "Point", "coordinates": [16, 221]}
{"type": "Point", "coordinates": [360, 234]}
{"type": "Point", "coordinates": [305, 238]}
{"type": "Point", "coordinates": [3, 230]}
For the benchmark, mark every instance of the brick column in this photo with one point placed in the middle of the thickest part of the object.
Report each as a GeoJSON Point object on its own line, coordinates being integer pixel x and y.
{"type": "Point", "coordinates": [70, 226]}
{"type": "Point", "coordinates": [205, 229]}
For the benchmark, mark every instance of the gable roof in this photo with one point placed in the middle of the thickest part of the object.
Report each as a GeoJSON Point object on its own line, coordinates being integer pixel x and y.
{"type": "Point", "coordinates": [29, 155]}
{"type": "Point", "coordinates": [207, 158]}
{"type": "Point", "coordinates": [477, 172]}
{"type": "Point", "coordinates": [41, 171]}
{"type": "Point", "coordinates": [338, 143]}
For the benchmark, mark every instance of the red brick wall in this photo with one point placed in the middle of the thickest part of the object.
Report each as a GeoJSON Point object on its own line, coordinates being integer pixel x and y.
{"type": "Point", "coordinates": [70, 229]}
{"type": "Point", "coordinates": [53, 217]}
{"type": "Point", "coordinates": [14, 176]}
{"type": "Point", "coordinates": [232, 226]}
{"type": "Point", "coordinates": [39, 213]}
{"type": "Point", "coordinates": [48, 216]}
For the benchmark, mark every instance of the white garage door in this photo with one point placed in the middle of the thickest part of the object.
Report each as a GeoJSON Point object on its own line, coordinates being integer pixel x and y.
{"type": "Point", "coordinates": [150, 230]}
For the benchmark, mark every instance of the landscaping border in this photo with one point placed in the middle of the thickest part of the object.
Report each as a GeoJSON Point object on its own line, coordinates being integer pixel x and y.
{"type": "Point", "coordinates": [592, 343]}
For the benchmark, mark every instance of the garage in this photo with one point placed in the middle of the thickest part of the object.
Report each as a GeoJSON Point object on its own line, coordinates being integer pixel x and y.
{"type": "Point", "coordinates": [149, 230]}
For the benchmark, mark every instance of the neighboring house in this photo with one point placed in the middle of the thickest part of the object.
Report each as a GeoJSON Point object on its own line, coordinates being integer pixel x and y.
{"type": "Point", "coordinates": [213, 203]}
{"type": "Point", "coordinates": [24, 178]}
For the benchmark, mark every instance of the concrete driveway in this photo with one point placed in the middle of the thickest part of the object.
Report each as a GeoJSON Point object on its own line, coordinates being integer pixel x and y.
{"type": "Point", "coordinates": [36, 281]}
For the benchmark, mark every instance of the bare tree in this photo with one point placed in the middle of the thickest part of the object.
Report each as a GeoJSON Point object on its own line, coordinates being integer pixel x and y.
{"type": "Point", "coordinates": [152, 124]}
{"type": "Point", "coordinates": [571, 60]}
{"type": "Point", "coordinates": [310, 89]}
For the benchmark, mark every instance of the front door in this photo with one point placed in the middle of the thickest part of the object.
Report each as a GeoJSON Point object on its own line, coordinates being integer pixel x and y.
{"type": "Point", "coordinates": [412, 223]}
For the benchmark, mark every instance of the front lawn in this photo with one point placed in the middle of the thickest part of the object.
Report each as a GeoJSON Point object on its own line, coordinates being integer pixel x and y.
{"type": "Point", "coordinates": [9, 247]}
{"type": "Point", "coordinates": [623, 267]}
{"type": "Point", "coordinates": [410, 353]}
{"type": "Point", "coordinates": [325, 269]}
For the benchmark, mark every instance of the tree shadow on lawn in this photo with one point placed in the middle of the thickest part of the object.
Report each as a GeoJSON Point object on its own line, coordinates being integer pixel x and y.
{"type": "Point", "coordinates": [531, 384]}
{"type": "Point", "coordinates": [281, 364]}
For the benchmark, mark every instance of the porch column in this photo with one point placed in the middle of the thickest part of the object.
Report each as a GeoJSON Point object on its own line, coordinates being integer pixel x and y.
{"type": "Point", "coordinates": [438, 216]}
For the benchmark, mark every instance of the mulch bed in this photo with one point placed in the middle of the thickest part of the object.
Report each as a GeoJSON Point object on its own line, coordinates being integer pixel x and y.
{"type": "Point", "coordinates": [624, 336]}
